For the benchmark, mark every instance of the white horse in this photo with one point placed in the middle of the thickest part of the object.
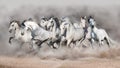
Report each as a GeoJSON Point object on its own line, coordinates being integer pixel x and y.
{"type": "Point", "coordinates": [30, 24]}
{"type": "Point", "coordinates": [55, 30]}
{"type": "Point", "coordinates": [101, 35]}
{"type": "Point", "coordinates": [55, 26]}
{"type": "Point", "coordinates": [38, 32]}
{"type": "Point", "coordinates": [91, 21]}
{"type": "Point", "coordinates": [65, 21]}
{"type": "Point", "coordinates": [20, 33]}
{"type": "Point", "coordinates": [72, 33]}
{"type": "Point", "coordinates": [98, 34]}
{"type": "Point", "coordinates": [81, 24]}
{"type": "Point", "coordinates": [90, 34]}
{"type": "Point", "coordinates": [44, 23]}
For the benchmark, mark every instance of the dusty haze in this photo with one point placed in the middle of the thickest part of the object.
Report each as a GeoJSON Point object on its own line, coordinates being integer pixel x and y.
{"type": "Point", "coordinates": [107, 16]}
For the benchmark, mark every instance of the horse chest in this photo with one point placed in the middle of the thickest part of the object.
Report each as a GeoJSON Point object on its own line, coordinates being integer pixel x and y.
{"type": "Point", "coordinates": [17, 34]}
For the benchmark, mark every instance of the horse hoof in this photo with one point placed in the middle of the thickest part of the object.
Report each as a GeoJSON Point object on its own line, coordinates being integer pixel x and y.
{"type": "Point", "coordinates": [54, 47]}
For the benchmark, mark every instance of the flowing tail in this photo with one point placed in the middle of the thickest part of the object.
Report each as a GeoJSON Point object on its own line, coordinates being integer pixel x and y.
{"type": "Point", "coordinates": [112, 41]}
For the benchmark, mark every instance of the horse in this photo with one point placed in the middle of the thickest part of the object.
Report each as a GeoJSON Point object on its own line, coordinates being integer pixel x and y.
{"type": "Point", "coordinates": [55, 29]}
{"type": "Point", "coordinates": [98, 34]}
{"type": "Point", "coordinates": [30, 24]}
{"type": "Point", "coordinates": [55, 25]}
{"type": "Point", "coordinates": [81, 24]}
{"type": "Point", "coordinates": [89, 34]}
{"type": "Point", "coordinates": [38, 32]}
{"type": "Point", "coordinates": [20, 33]}
{"type": "Point", "coordinates": [101, 35]}
{"type": "Point", "coordinates": [43, 23]}
{"type": "Point", "coordinates": [91, 21]}
{"type": "Point", "coordinates": [72, 33]}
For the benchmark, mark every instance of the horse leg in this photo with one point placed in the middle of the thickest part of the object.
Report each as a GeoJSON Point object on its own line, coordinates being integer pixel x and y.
{"type": "Point", "coordinates": [108, 42]}
{"type": "Point", "coordinates": [61, 43]}
{"type": "Point", "coordinates": [91, 42]}
{"type": "Point", "coordinates": [55, 46]}
{"type": "Point", "coordinates": [62, 40]}
{"type": "Point", "coordinates": [31, 45]}
{"type": "Point", "coordinates": [10, 39]}
{"type": "Point", "coordinates": [100, 43]}
{"type": "Point", "coordinates": [82, 39]}
{"type": "Point", "coordinates": [92, 45]}
{"type": "Point", "coordinates": [52, 44]}
{"type": "Point", "coordinates": [39, 42]}
{"type": "Point", "coordinates": [68, 43]}
{"type": "Point", "coordinates": [22, 45]}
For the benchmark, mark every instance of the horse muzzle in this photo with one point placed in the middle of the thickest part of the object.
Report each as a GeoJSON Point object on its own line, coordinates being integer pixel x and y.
{"type": "Point", "coordinates": [45, 27]}
{"type": "Point", "coordinates": [10, 31]}
{"type": "Point", "coordinates": [22, 33]}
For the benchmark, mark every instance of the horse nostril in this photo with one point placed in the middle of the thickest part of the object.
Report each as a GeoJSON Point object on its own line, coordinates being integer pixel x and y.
{"type": "Point", "coordinates": [46, 27]}
{"type": "Point", "coordinates": [22, 33]}
{"type": "Point", "coordinates": [10, 31]}
{"type": "Point", "coordinates": [92, 26]}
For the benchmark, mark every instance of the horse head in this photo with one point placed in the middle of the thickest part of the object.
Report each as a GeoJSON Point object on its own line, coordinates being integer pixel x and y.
{"type": "Point", "coordinates": [44, 23]}
{"type": "Point", "coordinates": [91, 21]}
{"type": "Point", "coordinates": [13, 25]}
{"type": "Point", "coordinates": [51, 22]}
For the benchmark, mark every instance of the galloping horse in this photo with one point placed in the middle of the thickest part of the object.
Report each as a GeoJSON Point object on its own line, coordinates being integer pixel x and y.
{"type": "Point", "coordinates": [72, 33]}
{"type": "Point", "coordinates": [98, 34]}
{"type": "Point", "coordinates": [20, 33]}
{"type": "Point", "coordinates": [39, 33]}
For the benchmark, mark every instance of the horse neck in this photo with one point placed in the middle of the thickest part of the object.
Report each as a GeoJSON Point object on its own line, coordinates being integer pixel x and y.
{"type": "Point", "coordinates": [17, 29]}
{"type": "Point", "coordinates": [34, 25]}
{"type": "Point", "coordinates": [55, 26]}
{"type": "Point", "coordinates": [64, 32]}
{"type": "Point", "coordinates": [92, 22]}
{"type": "Point", "coordinates": [95, 29]}
{"type": "Point", "coordinates": [82, 24]}
{"type": "Point", "coordinates": [89, 29]}
{"type": "Point", "coordinates": [17, 26]}
{"type": "Point", "coordinates": [70, 28]}
{"type": "Point", "coordinates": [83, 21]}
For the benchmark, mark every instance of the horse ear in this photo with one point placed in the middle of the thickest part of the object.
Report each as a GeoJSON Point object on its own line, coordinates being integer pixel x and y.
{"type": "Point", "coordinates": [18, 22]}
{"type": "Point", "coordinates": [23, 23]}
{"type": "Point", "coordinates": [11, 19]}
{"type": "Point", "coordinates": [85, 17]}
{"type": "Point", "coordinates": [52, 16]}
{"type": "Point", "coordinates": [30, 19]}
{"type": "Point", "coordinates": [91, 16]}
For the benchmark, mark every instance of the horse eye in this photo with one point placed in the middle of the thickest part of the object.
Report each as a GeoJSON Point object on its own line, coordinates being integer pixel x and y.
{"type": "Point", "coordinates": [23, 24]}
{"type": "Point", "coordinates": [12, 25]}
{"type": "Point", "coordinates": [51, 21]}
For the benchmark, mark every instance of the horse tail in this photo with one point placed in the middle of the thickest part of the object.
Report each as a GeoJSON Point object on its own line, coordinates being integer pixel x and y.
{"type": "Point", "coordinates": [112, 41]}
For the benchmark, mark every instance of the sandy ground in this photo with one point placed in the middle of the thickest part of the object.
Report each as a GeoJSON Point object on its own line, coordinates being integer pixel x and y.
{"type": "Point", "coordinates": [35, 62]}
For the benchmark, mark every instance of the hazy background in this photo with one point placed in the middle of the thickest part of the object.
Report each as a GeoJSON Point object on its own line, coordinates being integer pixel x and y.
{"type": "Point", "coordinates": [106, 13]}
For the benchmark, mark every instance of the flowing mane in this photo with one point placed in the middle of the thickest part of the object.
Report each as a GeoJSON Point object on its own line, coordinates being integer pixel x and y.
{"type": "Point", "coordinates": [57, 22]}
{"type": "Point", "coordinates": [18, 22]}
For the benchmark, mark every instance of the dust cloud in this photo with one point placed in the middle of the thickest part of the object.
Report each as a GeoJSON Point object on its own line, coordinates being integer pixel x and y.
{"type": "Point", "coordinates": [107, 18]}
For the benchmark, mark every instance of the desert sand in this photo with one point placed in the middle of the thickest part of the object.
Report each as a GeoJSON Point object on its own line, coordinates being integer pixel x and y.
{"type": "Point", "coordinates": [35, 62]}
